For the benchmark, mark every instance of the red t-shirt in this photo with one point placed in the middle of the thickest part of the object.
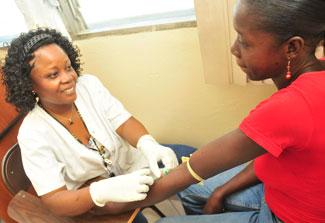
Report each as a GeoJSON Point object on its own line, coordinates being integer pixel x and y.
{"type": "Point", "coordinates": [290, 125]}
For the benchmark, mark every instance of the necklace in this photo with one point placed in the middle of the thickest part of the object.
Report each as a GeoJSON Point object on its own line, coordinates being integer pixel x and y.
{"type": "Point", "coordinates": [100, 149]}
{"type": "Point", "coordinates": [69, 119]}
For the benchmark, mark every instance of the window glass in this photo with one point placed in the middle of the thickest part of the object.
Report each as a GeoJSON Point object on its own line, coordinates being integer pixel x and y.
{"type": "Point", "coordinates": [12, 22]}
{"type": "Point", "coordinates": [114, 14]}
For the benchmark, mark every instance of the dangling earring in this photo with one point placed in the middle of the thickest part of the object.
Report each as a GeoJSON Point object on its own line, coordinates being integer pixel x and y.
{"type": "Point", "coordinates": [288, 75]}
{"type": "Point", "coordinates": [35, 96]}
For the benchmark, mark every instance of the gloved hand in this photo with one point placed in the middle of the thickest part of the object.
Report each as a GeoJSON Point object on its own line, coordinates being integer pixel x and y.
{"type": "Point", "coordinates": [123, 188]}
{"type": "Point", "coordinates": [155, 153]}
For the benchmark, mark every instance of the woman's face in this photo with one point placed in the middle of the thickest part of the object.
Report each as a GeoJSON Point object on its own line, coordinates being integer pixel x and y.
{"type": "Point", "coordinates": [53, 77]}
{"type": "Point", "coordinates": [257, 52]}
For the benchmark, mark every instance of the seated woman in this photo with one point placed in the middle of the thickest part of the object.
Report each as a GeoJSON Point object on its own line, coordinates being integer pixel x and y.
{"type": "Point", "coordinates": [284, 135]}
{"type": "Point", "coordinates": [75, 130]}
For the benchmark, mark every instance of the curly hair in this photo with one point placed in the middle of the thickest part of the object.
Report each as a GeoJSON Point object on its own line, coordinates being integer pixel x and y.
{"type": "Point", "coordinates": [16, 69]}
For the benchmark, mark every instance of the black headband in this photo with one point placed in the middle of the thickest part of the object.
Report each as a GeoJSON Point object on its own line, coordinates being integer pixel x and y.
{"type": "Point", "coordinates": [35, 39]}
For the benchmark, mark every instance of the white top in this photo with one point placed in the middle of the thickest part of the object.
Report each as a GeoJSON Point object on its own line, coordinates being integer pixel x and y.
{"type": "Point", "coordinates": [52, 157]}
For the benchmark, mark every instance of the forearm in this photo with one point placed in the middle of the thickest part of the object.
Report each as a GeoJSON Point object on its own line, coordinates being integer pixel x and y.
{"type": "Point", "coordinates": [69, 202]}
{"type": "Point", "coordinates": [222, 154]}
{"type": "Point", "coordinates": [175, 181]}
{"type": "Point", "coordinates": [132, 130]}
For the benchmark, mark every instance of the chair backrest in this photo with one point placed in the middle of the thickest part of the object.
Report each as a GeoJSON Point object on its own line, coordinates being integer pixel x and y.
{"type": "Point", "coordinates": [12, 170]}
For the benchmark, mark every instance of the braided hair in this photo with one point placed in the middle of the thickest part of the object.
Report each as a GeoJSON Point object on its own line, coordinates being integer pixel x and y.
{"type": "Point", "coordinates": [16, 68]}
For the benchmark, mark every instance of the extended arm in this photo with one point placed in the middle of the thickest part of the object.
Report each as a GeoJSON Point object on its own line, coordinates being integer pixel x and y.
{"type": "Point", "coordinates": [224, 153]}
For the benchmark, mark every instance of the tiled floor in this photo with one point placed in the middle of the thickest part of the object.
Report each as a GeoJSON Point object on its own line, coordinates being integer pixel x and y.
{"type": "Point", "coordinates": [170, 207]}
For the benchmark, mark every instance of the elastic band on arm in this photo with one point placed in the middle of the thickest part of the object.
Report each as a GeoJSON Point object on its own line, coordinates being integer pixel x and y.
{"type": "Point", "coordinates": [194, 175]}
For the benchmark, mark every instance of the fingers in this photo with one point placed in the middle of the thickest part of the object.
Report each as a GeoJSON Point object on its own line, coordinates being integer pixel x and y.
{"type": "Point", "coordinates": [142, 188]}
{"type": "Point", "coordinates": [154, 168]}
{"type": "Point", "coordinates": [123, 188]}
{"type": "Point", "coordinates": [169, 159]}
{"type": "Point", "coordinates": [141, 191]}
{"type": "Point", "coordinates": [142, 176]}
{"type": "Point", "coordinates": [170, 164]}
{"type": "Point", "coordinates": [142, 172]}
{"type": "Point", "coordinates": [139, 197]}
{"type": "Point", "coordinates": [148, 180]}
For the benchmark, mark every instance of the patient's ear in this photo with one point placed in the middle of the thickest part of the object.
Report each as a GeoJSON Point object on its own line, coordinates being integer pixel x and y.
{"type": "Point", "coordinates": [294, 46]}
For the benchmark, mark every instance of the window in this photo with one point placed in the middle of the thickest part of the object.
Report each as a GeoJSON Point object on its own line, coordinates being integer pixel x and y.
{"type": "Point", "coordinates": [86, 17]}
{"type": "Point", "coordinates": [119, 14]}
{"type": "Point", "coordinates": [13, 22]}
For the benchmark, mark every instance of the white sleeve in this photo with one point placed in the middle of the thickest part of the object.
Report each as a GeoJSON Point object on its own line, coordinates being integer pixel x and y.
{"type": "Point", "coordinates": [113, 108]}
{"type": "Point", "coordinates": [40, 164]}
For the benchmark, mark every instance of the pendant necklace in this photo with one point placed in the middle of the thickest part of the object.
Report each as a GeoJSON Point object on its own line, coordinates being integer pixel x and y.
{"type": "Point", "coordinates": [69, 119]}
{"type": "Point", "coordinates": [99, 149]}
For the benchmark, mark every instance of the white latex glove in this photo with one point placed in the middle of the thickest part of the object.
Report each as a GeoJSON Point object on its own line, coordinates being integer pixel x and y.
{"type": "Point", "coordinates": [155, 153]}
{"type": "Point", "coordinates": [123, 188]}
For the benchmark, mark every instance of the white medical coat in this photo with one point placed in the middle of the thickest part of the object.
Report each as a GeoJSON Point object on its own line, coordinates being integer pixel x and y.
{"type": "Point", "coordinates": [52, 157]}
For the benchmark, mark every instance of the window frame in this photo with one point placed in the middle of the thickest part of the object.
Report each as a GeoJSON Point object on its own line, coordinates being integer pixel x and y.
{"type": "Point", "coordinates": [78, 29]}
